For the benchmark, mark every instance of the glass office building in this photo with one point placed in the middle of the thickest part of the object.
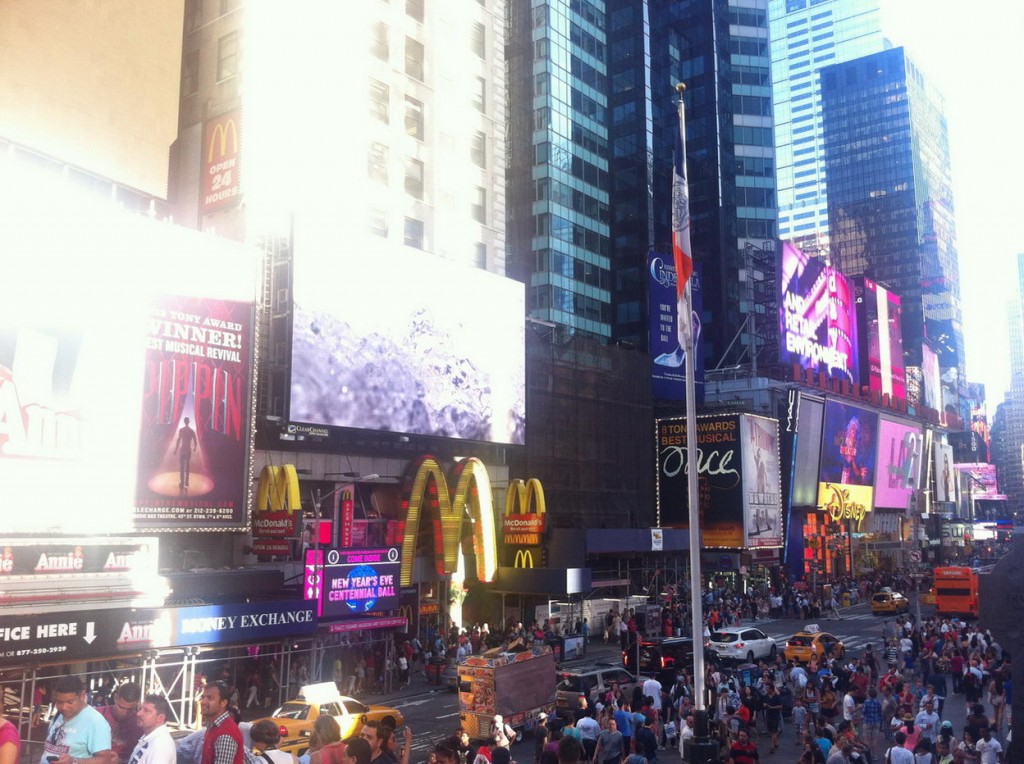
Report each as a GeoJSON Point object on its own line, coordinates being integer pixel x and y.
{"type": "Point", "coordinates": [807, 35]}
{"type": "Point", "coordinates": [890, 201]}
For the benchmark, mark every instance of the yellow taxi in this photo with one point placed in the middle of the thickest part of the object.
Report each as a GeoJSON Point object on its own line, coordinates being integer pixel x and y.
{"type": "Point", "coordinates": [888, 602]}
{"type": "Point", "coordinates": [295, 718]}
{"type": "Point", "coordinates": [812, 642]}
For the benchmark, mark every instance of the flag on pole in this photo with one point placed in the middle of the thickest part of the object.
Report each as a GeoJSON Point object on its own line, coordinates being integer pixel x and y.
{"type": "Point", "coordinates": [681, 251]}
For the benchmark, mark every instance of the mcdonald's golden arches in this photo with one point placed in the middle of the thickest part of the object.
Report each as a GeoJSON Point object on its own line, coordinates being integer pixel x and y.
{"type": "Point", "coordinates": [523, 559]}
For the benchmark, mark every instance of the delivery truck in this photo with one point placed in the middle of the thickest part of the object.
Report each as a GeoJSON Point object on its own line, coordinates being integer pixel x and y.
{"type": "Point", "coordinates": [517, 683]}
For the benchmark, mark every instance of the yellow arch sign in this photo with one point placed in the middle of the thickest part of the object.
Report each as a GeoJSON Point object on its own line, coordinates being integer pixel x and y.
{"type": "Point", "coordinates": [278, 489]}
{"type": "Point", "coordinates": [472, 494]}
{"type": "Point", "coordinates": [521, 496]}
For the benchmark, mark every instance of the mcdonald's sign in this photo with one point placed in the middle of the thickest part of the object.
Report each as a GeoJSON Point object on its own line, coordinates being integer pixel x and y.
{"type": "Point", "coordinates": [523, 559]}
{"type": "Point", "coordinates": [428, 491]}
{"type": "Point", "coordinates": [221, 169]}
{"type": "Point", "coordinates": [277, 502]}
{"type": "Point", "coordinates": [520, 526]}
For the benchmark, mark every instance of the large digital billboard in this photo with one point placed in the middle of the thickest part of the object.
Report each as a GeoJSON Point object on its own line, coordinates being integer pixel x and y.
{"type": "Point", "coordinates": [83, 279]}
{"type": "Point", "coordinates": [980, 482]}
{"type": "Point", "coordinates": [945, 472]}
{"type": "Point", "coordinates": [407, 343]}
{"type": "Point", "coordinates": [360, 581]}
{"type": "Point", "coordinates": [901, 457]}
{"type": "Point", "coordinates": [817, 316]}
{"type": "Point", "coordinates": [848, 444]}
{"type": "Point", "coordinates": [931, 379]}
{"type": "Point", "coordinates": [881, 324]}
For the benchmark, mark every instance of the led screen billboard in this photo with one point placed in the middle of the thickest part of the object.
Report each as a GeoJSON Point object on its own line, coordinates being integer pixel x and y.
{"type": "Point", "coordinates": [74, 351]}
{"type": "Point", "coordinates": [360, 581]}
{"type": "Point", "coordinates": [945, 472]}
{"type": "Point", "coordinates": [808, 452]}
{"type": "Point", "coordinates": [900, 460]}
{"type": "Point", "coordinates": [817, 316]}
{"type": "Point", "coordinates": [881, 323]}
{"type": "Point", "coordinates": [980, 482]}
{"type": "Point", "coordinates": [931, 379]}
{"type": "Point", "coordinates": [848, 445]}
{"type": "Point", "coordinates": [407, 343]}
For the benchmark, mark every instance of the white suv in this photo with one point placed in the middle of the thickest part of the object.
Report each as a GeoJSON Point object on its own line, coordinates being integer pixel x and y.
{"type": "Point", "coordinates": [742, 643]}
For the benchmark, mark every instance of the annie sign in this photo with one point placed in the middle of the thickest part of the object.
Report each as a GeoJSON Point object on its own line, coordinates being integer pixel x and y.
{"type": "Point", "coordinates": [358, 581]}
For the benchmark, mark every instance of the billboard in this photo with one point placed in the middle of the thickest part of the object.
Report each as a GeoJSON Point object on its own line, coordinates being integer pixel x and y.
{"type": "Point", "coordinates": [360, 581]}
{"type": "Point", "coordinates": [848, 445]}
{"type": "Point", "coordinates": [945, 473]}
{"type": "Point", "coordinates": [979, 481]}
{"type": "Point", "coordinates": [901, 457]}
{"type": "Point", "coordinates": [718, 469]}
{"type": "Point", "coordinates": [817, 316]}
{"type": "Point", "coordinates": [222, 162]}
{"type": "Point", "coordinates": [192, 468]}
{"type": "Point", "coordinates": [881, 333]}
{"type": "Point", "coordinates": [762, 482]}
{"type": "Point", "coordinates": [668, 364]}
{"type": "Point", "coordinates": [407, 343]}
{"type": "Point", "coordinates": [931, 380]}
{"type": "Point", "coordinates": [73, 353]}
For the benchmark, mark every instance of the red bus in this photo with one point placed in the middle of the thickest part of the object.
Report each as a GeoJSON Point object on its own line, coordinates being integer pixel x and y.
{"type": "Point", "coordinates": [956, 591]}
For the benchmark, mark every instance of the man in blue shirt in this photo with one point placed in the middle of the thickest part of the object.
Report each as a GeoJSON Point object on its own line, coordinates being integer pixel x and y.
{"type": "Point", "coordinates": [78, 734]}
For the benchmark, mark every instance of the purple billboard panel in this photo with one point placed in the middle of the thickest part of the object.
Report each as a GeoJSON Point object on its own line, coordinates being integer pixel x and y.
{"type": "Point", "coordinates": [360, 581]}
{"type": "Point", "coordinates": [817, 316]}
{"type": "Point", "coordinates": [881, 321]}
{"type": "Point", "coordinates": [900, 458]}
{"type": "Point", "coordinates": [668, 366]}
{"type": "Point", "coordinates": [848, 445]}
{"type": "Point", "coordinates": [980, 482]}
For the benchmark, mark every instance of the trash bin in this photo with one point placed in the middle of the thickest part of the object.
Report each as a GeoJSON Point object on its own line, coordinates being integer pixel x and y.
{"type": "Point", "coordinates": [846, 599]}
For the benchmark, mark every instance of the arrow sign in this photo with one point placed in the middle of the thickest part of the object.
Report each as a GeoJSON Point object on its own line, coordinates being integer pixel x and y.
{"type": "Point", "coordinates": [90, 632]}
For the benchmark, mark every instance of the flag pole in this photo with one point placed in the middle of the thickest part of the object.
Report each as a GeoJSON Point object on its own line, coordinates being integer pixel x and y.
{"type": "Point", "coordinates": [685, 304]}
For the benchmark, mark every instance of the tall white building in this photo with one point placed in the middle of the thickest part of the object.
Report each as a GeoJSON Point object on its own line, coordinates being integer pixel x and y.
{"type": "Point", "coordinates": [807, 35]}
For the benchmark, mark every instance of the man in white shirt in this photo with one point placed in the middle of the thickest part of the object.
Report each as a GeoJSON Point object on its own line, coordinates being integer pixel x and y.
{"type": "Point", "coordinates": [928, 721]}
{"type": "Point", "coordinates": [156, 745]}
{"type": "Point", "coordinates": [849, 707]}
{"type": "Point", "coordinates": [898, 754]}
{"type": "Point", "coordinates": [989, 749]}
{"type": "Point", "coordinates": [652, 689]}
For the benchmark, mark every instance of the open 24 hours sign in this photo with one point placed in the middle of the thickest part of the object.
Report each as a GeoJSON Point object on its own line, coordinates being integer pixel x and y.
{"type": "Point", "coordinates": [360, 581]}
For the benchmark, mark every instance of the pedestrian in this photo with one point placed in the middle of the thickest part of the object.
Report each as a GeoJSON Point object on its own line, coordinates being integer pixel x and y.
{"type": "Point", "coordinates": [989, 749]}
{"type": "Point", "coordinates": [10, 741]}
{"type": "Point", "coordinates": [78, 731]}
{"type": "Point", "coordinates": [609, 748]}
{"type": "Point", "coordinates": [223, 741]}
{"type": "Point", "coordinates": [156, 746]}
{"type": "Point", "coordinates": [122, 717]}
{"type": "Point", "coordinates": [898, 753]}
{"type": "Point", "coordinates": [743, 751]}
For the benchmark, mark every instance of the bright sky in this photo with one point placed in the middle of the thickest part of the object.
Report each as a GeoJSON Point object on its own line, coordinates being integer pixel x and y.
{"type": "Point", "coordinates": [973, 54]}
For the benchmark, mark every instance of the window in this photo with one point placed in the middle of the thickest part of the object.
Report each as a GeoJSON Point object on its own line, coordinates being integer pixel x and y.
{"type": "Point", "coordinates": [479, 207]}
{"type": "Point", "coordinates": [414, 9]}
{"type": "Point", "coordinates": [477, 40]}
{"type": "Point", "coordinates": [480, 96]}
{"type": "Point", "coordinates": [227, 56]}
{"type": "Point", "coordinates": [378, 163]}
{"type": "Point", "coordinates": [414, 178]}
{"type": "Point", "coordinates": [414, 233]}
{"type": "Point", "coordinates": [478, 149]}
{"type": "Point", "coordinates": [380, 97]}
{"type": "Point", "coordinates": [379, 223]}
{"type": "Point", "coordinates": [190, 73]}
{"type": "Point", "coordinates": [480, 255]}
{"type": "Point", "coordinates": [379, 45]}
{"type": "Point", "coordinates": [414, 118]}
{"type": "Point", "coordinates": [414, 58]}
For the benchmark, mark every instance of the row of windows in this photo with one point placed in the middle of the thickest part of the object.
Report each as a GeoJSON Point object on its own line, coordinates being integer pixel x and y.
{"type": "Point", "coordinates": [755, 197]}
{"type": "Point", "coordinates": [748, 17]}
{"type": "Point", "coordinates": [559, 228]}
{"type": "Point", "coordinates": [586, 42]}
{"type": "Point", "coordinates": [753, 136]}
{"type": "Point", "coordinates": [565, 265]}
{"type": "Point", "coordinates": [748, 47]}
{"type": "Point", "coordinates": [378, 162]}
{"type": "Point", "coordinates": [380, 47]}
{"type": "Point", "coordinates": [548, 296]}
{"type": "Point", "coordinates": [750, 75]}
{"type": "Point", "coordinates": [755, 166]}
{"type": "Point", "coordinates": [548, 189]}
{"type": "Point", "coordinates": [588, 12]}
{"type": "Point", "coordinates": [227, 64]}
{"type": "Point", "coordinates": [756, 105]}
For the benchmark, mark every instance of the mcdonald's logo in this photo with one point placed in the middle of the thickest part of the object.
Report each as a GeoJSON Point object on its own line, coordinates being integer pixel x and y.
{"type": "Point", "coordinates": [406, 612]}
{"type": "Point", "coordinates": [524, 559]}
{"type": "Point", "coordinates": [519, 525]}
{"type": "Point", "coordinates": [223, 130]}
{"type": "Point", "coordinates": [428, 491]}
{"type": "Point", "coordinates": [278, 489]}
{"type": "Point", "coordinates": [221, 173]}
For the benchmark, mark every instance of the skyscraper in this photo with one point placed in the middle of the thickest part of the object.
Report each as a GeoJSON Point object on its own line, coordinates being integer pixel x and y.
{"type": "Point", "coordinates": [890, 199]}
{"type": "Point", "coordinates": [807, 35]}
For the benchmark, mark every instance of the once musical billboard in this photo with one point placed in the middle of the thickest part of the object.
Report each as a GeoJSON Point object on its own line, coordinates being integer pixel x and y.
{"type": "Point", "coordinates": [407, 343]}
{"type": "Point", "coordinates": [881, 332]}
{"type": "Point", "coordinates": [901, 457]}
{"type": "Point", "coordinates": [817, 316]}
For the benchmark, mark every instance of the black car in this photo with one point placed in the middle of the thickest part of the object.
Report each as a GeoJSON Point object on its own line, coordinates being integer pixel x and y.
{"type": "Point", "coordinates": [661, 657]}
